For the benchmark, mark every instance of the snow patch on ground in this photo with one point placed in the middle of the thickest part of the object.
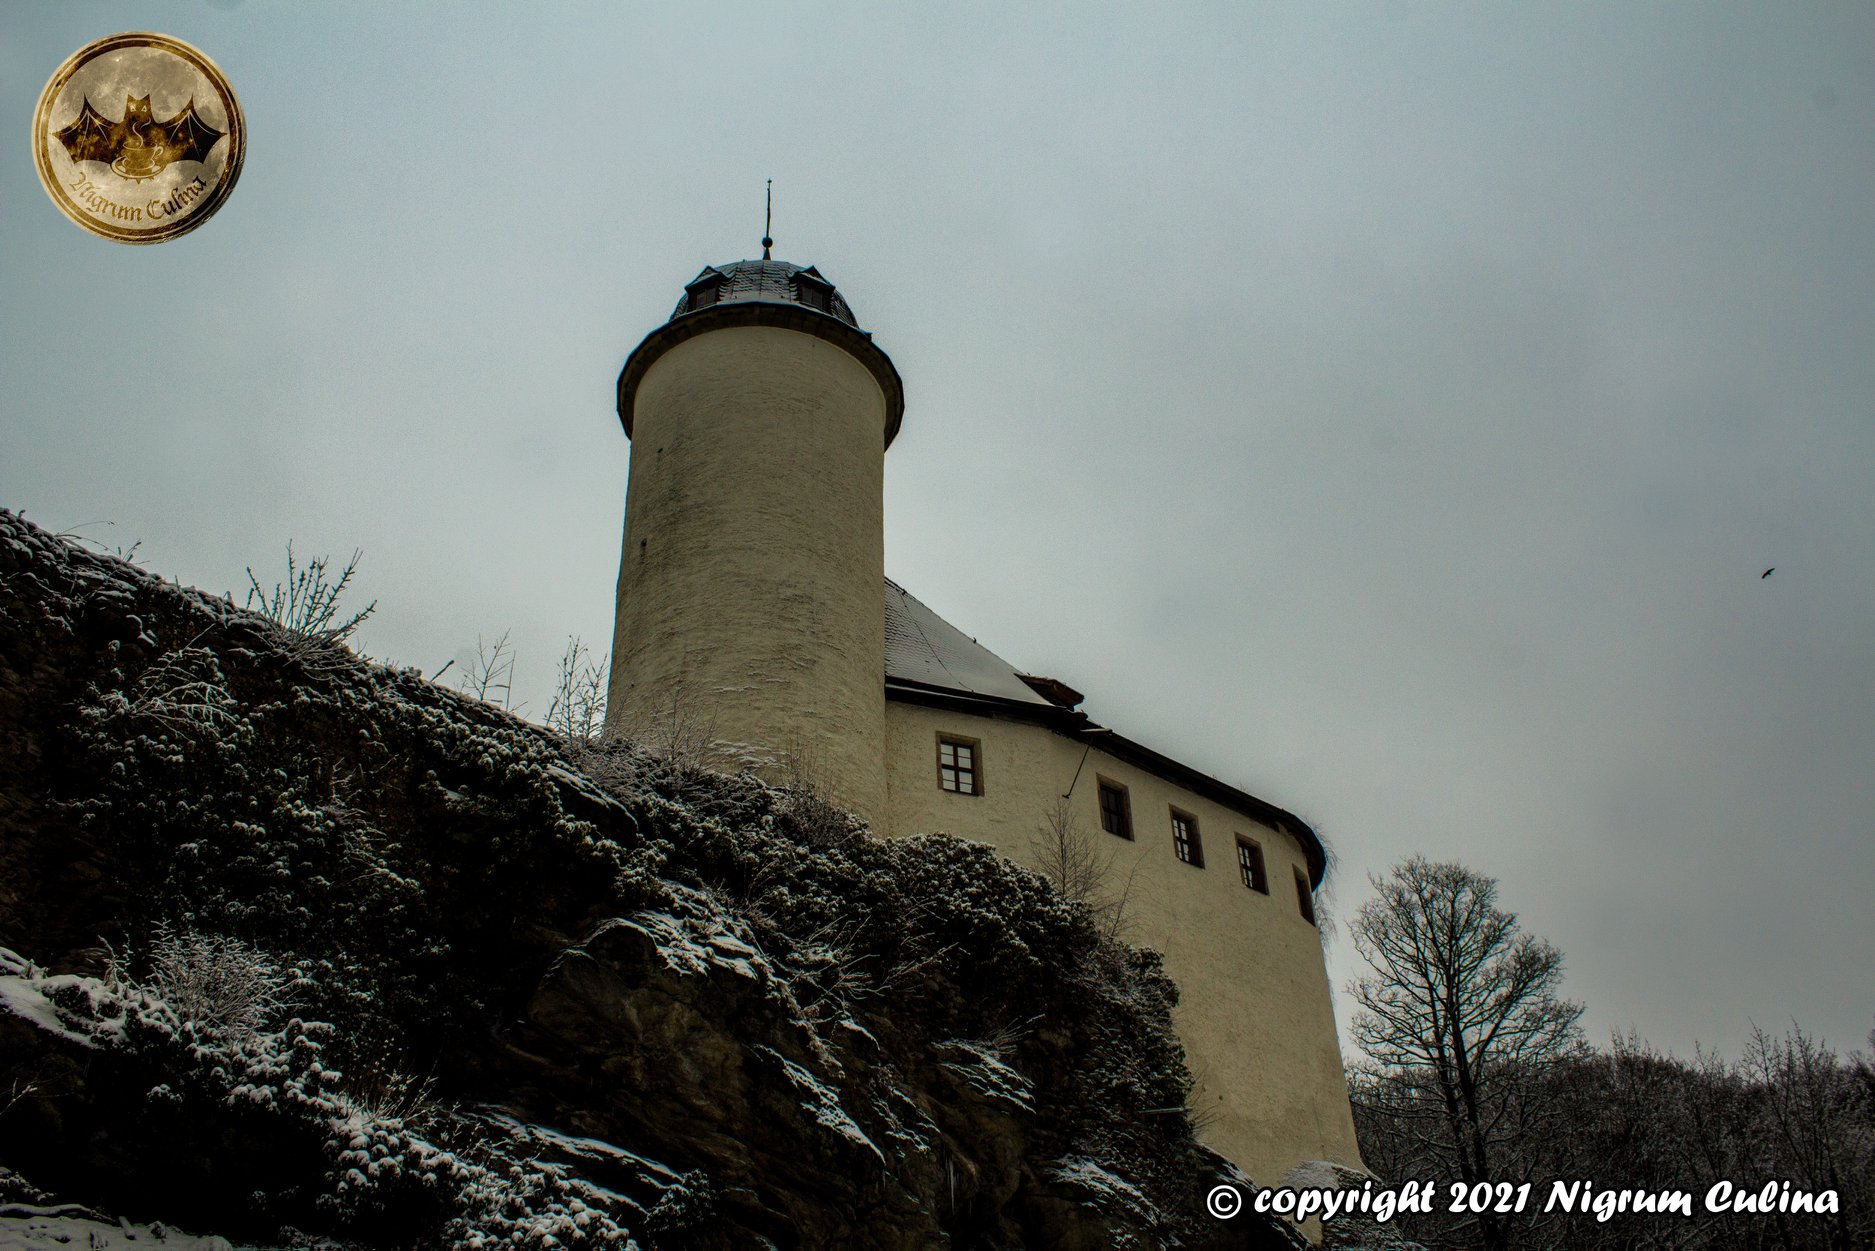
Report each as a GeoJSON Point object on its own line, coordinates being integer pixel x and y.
{"type": "Point", "coordinates": [981, 1067]}
{"type": "Point", "coordinates": [587, 789]}
{"type": "Point", "coordinates": [23, 999]}
{"type": "Point", "coordinates": [701, 939]}
{"type": "Point", "coordinates": [824, 1102]}
{"type": "Point", "coordinates": [26, 1228]}
{"type": "Point", "coordinates": [1108, 1189]}
{"type": "Point", "coordinates": [581, 1148]}
{"type": "Point", "coordinates": [27, 992]}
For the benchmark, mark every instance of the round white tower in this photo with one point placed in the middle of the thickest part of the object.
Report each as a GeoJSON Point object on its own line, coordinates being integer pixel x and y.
{"type": "Point", "coordinates": [751, 585]}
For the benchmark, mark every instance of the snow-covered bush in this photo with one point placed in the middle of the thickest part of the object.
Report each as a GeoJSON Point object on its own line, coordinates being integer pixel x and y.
{"type": "Point", "coordinates": [212, 980]}
{"type": "Point", "coordinates": [184, 690]}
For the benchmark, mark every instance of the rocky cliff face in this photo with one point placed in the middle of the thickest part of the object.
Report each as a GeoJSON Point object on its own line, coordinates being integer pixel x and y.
{"type": "Point", "coordinates": [301, 945]}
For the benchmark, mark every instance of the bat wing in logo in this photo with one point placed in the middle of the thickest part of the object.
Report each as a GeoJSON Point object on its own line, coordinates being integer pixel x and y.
{"type": "Point", "coordinates": [187, 135]}
{"type": "Point", "coordinates": [138, 146]}
{"type": "Point", "coordinates": [93, 136]}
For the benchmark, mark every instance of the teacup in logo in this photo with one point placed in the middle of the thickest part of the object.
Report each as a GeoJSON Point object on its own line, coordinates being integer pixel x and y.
{"type": "Point", "coordinates": [138, 138]}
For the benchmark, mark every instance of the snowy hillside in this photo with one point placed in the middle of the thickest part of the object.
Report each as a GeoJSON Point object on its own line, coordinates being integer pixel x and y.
{"type": "Point", "coordinates": [299, 947]}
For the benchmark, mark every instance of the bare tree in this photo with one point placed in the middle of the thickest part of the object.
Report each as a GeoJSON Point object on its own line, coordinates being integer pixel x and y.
{"type": "Point", "coordinates": [1459, 1020]}
{"type": "Point", "coordinates": [490, 676]}
{"type": "Point", "coordinates": [1066, 854]}
{"type": "Point", "coordinates": [1634, 1117]}
{"type": "Point", "coordinates": [577, 713]}
{"type": "Point", "coordinates": [1816, 1127]}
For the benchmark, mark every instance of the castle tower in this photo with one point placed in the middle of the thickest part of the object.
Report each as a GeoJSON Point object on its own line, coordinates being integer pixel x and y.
{"type": "Point", "coordinates": [749, 590]}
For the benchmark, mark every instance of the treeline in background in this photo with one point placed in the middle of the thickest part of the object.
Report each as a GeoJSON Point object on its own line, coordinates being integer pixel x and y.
{"type": "Point", "coordinates": [1473, 1070]}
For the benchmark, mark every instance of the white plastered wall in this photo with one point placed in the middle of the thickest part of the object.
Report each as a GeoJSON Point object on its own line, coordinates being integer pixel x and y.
{"type": "Point", "coordinates": [1254, 1012]}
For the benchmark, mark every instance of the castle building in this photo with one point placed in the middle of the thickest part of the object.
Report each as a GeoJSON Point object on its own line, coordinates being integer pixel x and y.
{"type": "Point", "coordinates": [752, 598]}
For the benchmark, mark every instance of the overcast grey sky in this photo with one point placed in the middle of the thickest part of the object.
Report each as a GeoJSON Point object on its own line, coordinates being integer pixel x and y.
{"type": "Point", "coordinates": [1389, 409]}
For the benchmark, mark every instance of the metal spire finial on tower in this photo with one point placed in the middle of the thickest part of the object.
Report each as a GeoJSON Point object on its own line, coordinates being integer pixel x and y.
{"type": "Point", "coordinates": [768, 221]}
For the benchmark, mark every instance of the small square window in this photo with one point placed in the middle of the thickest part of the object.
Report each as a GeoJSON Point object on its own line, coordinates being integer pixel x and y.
{"type": "Point", "coordinates": [1116, 814]}
{"type": "Point", "coordinates": [1250, 863]}
{"type": "Point", "coordinates": [705, 293]}
{"type": "Point", "coordinates": [1185, 839]}
{"type": "Point", "coordinates": [957, 766]}
{"type": "Point", "coordinates": [1305, 899]}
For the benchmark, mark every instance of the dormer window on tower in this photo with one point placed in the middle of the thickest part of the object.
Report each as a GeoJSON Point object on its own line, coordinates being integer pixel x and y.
{"type": "Point", "coordinates": [813, 291]}
{"type": "Point", "coordinates": [705, 291]}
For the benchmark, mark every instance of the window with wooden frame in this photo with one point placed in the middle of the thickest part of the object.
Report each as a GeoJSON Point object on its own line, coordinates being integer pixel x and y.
{"type": "Point", "coordinates": [1116, 812]}
{"type": "Point", "coordinates": [1250, 864]}
{"type": "Point", "coordinates": [1185, 839]}
{"type": "Point", "coordinates": [1305, 898]}
{"type": "Point", "coordinates": [959, 768]}
{"type": "Point", "coordinates": [704, 292]}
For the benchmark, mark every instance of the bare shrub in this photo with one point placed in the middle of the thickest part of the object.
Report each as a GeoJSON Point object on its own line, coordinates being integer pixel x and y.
{"type": "Point", "coordinates": [306, 605]}
{"type": "Point", "coordinates": [183, 690]}
{"type": "Point", "coordinates": [829, 971]}
{"type": "Point", "coordinates": [684, 735]}
{"type": "Point", "coordinates": [810, 814]}
{"type": "Point", "coordinates": [918, 955]}
{"type": "Point", "coordinates": [212, 980]}
{"type": "Point", "coordinates": [17, 1089]}
{"type": "Point", "coordinates": [381, 1085]}
{"type": "Point", "coordinates": [490, 676]}
{"type": "Point", "coordinates": [1002, 1041]}
{"type": "Point", "coordinates": [72, 535]}
{"type": "Point", "coordinates": [617, 765]}
{"type": "Point", "coordinates": [680, 735]}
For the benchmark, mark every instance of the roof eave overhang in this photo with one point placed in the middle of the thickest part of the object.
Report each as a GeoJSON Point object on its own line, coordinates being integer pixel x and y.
{"type": "Point", "coordinates": [1078, 726]}
{"type": "Point", "coordinates": [786, 316]}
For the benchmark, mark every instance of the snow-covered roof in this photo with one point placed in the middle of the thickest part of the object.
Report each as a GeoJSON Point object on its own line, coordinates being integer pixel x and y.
{"type": "Point", "coordinates": [923, 648]}
{"type": "Point", "coordinates": [930, 661]}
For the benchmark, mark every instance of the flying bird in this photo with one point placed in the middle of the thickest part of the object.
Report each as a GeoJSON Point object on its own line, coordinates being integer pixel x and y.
{"type": "Point", "coordinates": [1767, 573]}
